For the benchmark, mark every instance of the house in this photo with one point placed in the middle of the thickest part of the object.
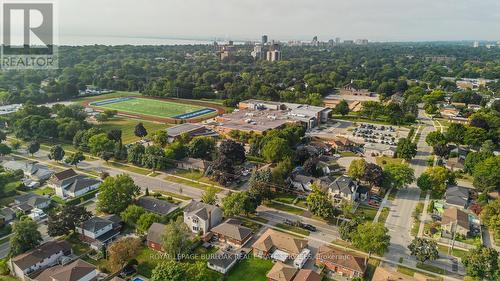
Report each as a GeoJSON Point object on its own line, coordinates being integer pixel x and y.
{"type": "Point", "coordinates": [307, 275]}
{"type": "Point", "coordinates": [98, 232]}
{"type": "Point", "coordinates": [157, 206]}
{"type": "Point", "coordinates": [346, 188]}
{"type": "Point", "coordinates": [272, 240]}
{"type": "Point", "coordinates": [34, 171]}
{"type": "Point", "coordinates": [192, 164]}
{"type": "Point", "coordinates": [44, 256]}
{"type": "Point", "coordinates": [78, 270]}
{"type": "Point", "coordinates": [232, 232]}
{"type": "Point", "coordinates": [341, 262]}
{"type": "Point", "coordinates": [455, 164]}
{"type": "Point", "coordinates": [222, 261]}
{"type": "Point", "coordinates": [201, 217]}
{"type": "Point", "coordinates": [69, 184]}
{"type": "Point", "coordinates": [189, 129]}
{"type": "Point", "coordinates": [281, 272]}
{"type": "Point", "coordinates": [379, 149]}
{"type": "Point", "coordinates": [384, 274]}
{"type": "Point", "coordinates": [455, 221]}
{"type": "Point", "coordinates": [301, 183]}
{"type": "Point", "coordinates": [29, 201]}
{"type": "Point", "coordinates": [6, 215]}
{"type": "Point", "coordinates": [457, 196]}
{"type": "Point", "coordinates": [154, 239]}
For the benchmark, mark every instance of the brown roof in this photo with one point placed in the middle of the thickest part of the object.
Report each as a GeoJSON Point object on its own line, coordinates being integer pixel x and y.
{"type": "Point", "coordinates": [70, 272]}
{"type": "Point", "coordinates": [65, 174]}
{"type": "Point", "coordinates": [383, 274]}
{"type": "Point", "coordinates": [272, 238]}
{"type": "Point", "coordinates": [455, 215]}
{"type": "Point", "coordinates": [26, 260]}
{"type": "Point", "coordinates": [307, 275]}
{"type": "Point", "coordinates": [342, 258]}
{"type": "Point", "coordinates": [282, 272]}
{"type": "Point", "coordinates": [232, 230]}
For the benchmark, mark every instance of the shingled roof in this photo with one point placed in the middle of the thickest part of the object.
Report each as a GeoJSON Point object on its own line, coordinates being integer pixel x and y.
{"type": "Point", "coordinates": [281, 272]}
{"type": "Point", "coordinates": [272, 238]}
{"type": "Point", "coordinates": [74, 271]}
{"type": "Point", "coordinates": [26, 260]}
{"type": "Point", "coordinates": [233, 230]}
{"type": "Point", "coordinates": [342, 258]}
{"type": "Point", "coordinates": [199, 209]}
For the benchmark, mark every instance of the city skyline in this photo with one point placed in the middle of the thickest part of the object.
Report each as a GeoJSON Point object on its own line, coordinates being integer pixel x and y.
{"type": "Point", "coordinates": [386, 20]}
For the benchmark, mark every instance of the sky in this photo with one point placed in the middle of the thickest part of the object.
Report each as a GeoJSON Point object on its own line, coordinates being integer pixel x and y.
{"type": "Point", "coordinates": [376, 20]}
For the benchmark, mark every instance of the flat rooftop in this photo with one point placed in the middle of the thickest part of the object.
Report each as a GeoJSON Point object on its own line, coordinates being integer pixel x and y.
{"type": "Point", "coordinates": [255, 120]}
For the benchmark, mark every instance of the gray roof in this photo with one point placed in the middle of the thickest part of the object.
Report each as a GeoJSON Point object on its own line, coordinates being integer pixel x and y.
{"type": "Point", "coordinates": [155, 233]}
{"type": "Point", "coordinates": [178, 130]}
{"type": "Point", "coordinates": [157, 206]}
{"type": "Point", "coordinates": [95, 223]}
{"type": "Point", "coordinates": [40, 253]}
{"type": "Point", "coordinates": [233, 230]}
{"type": "Point", "coordinates": [344, 184]}
{"type": "Point", "coordinates": [222, 259]}
{"type": "Point", "coordinates": [31, 199]}
{"type": "Point", "coordinates": [457, 195]}
{"type": "Point", "coordinates": [200, 209]}
{"type": "Point", "coordinates": [7, 213]}
{"type": "Point", "coordinates": [80, 182]}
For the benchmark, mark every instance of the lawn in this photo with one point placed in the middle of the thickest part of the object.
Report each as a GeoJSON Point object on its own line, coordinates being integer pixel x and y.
{"type": "Point", "coordinates": [149, 107]}
{"type": "Point", "coordinates": [384, 160]}
{"type": "Point", "coordinates": [137, 170]}
{"type": "Point", "coordinates": [370, 270]}
{"type": "Point", "coordinates": [148, 259]}
{"type": "Point", "coordinates": [173, 195]}
{"type": "Point", "coordinates": [367, 213]}
{"type": "Point", "coordinates": [285, 208]}
{"type": "Point", "coordinates": [250, 269]}
{"type": "Point", "coordinates": [44, 190]}
{"type": "Point", "coordinates": [431, 268]}
{"type": "Point", "coordinates": [293, 229]}
{"type": "Point", "coordinates": [127, 126]}
{"type": "Point", "coordinates": [455, 252]}
{"type": "Point", "coordinates": [285, 198]}
{"type": "Point", "coordinates": [195, 175]}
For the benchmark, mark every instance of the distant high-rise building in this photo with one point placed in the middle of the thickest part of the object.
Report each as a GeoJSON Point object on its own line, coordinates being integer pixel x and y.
{"type": "Point", "coordinates": [476, 44]}
{"type": "Point", "coordinates": [264, 39]}
{"type": "Point", "coordinates": [226, 51]}
{"type": "Point", "coordinates": [315, 42]}
{"type": "Point", "coordinates": [348, 41]}
{"type": "Point", "coordinates": [337, 40]}
{"type": "Point", "coordinates": [274, 52]}
{"type": "Point", "coordinates": [361, 41]}
{"type": "Point", "coordinates": [258, 52]}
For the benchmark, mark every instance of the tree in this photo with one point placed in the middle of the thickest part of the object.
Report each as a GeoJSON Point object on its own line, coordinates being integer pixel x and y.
{"type": "Point", "coordinates": [276, 150]}
{"type": "Point", "coordinates": [25, 236]}
{"type": "Point", "coordinates": [160, 138]}
{"type": "Point", "coordinates": [135, 154]}
{"type": "Point", "coordinates": [123, 250]}
{"type": "Point", "coordinates": [15, 144]}
{"type": "Point", "coordinates": [490, 216]}
{"type": "Point", "coordinates": [320, 204]}
{"type": "Point", "coordinates": [233, 204]}
{"type": "Point", "coordinates": [233, 151]}
{"type": "Point", "coordinates": [64, 221]}
{"type": "Point", "coordinates": [100, 143]}
{"type": "Point", "coordinates": [373, 174]}
{"type": "Point", "coordinates": [56, 153]}
{"type": "Point", "coordinates": [223, 170]}
{"type": "Point", "coordinates": [399, 175]}
{"type": "Point", "coordinates": [140, 131]}
{"type": "Point", "coordinates": [176, 150]}
{"type": "Point", "coordinates": [357, 169]}
{"type": "Point", "coordinates": [259, 184]}
{"type": "Point", "coordinates": [371, 237]}
{"type": "Point", "coordinates": [132, 213]}
{"type": "Point", "coordinates": [116, 136]}
{"type": "Point", "coordinates": [3, 136]}
{"type": "Point", "coordinates": [423, 249]}
{"type": "Point", "coordinates": [474, 158]}
{"type": "Point", "coordinates": [347, 228]}
{"type": "Point", "coordinates": [311, 167]}
{"type": "Point", "coordinates": [75, 158]}
{"type": "Point", "coordinates": [33, 147]}
{"type": "Point", "coordinates": [176, 271]}
{"type": "Point", "coordinates": [434, 138]}
{"type": "Point", "coordinates": [487, 175]}
{"type": "Point", "coordinates": [482, 263]}
{"type": "Point", "coordinates": [176, 238]}
{"type": "Point", "coordinates": [406, 149]}
{"type": "Point", "coordinates": [435, 179]}
{"type": "Point", "coordinates": [146, 220]}
{"type": "Point", "coordinates": [4, 149]}
{"type": "Point", "coordinates": [342, 108]}
{"type": "Point", "coordinates": [154, 157]}
{"type": "Point", "coordinates": [455, 133]}
{"type": "Point", "coordinates": [474, 136]}
{"type": "Point", "coordinates": [116, 193]}
{"type": "Point", "coordinates": [209, 196]}
{"type": "Point", "coordinates": [441, 150]}
{"type": "Point", "coordinates": [201, 147]}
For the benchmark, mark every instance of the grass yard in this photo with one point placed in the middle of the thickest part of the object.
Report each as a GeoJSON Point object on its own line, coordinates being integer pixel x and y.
{"type": "Point", "coordinates": [8, 278]}
{"type": "Point", "coordinates": [285, 198]}
{"type": "Point", "coordinates": [365, 212]}
{"type": "Point", "coordinates": [148, 259]}
{"type": "Point", "coordinates": [44, 190]}
{"type": "Point", "coordinates": [285, 208]}
{"type": "Point", "coordinates": [195, 175]}
{"type": "Point", "coordinates": [127, 126]}
{"type": "Point", "coordinates": [384, 160]}
{"type": "Point", "coordinates": [293, 229]}
{"type": "Point", "coordinates": [138, 170]}
{"type": "Point", "coordinates": [383, 215]}
{"type": "Point", "coordinates": [173, 195]}
{"type": "Point", "coordinates": [455, 252]}
{"type": "Point", "coordinates": [250, 269]}
{"type": "Point", "coordinates": [431, 268]}
{"type": "Point", "coordinates": [149, 107]}
{"type": "Point", "coordinates": [370, 270]}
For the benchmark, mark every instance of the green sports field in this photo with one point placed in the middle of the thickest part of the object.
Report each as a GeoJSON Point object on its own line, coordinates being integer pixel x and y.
{"type": "Point", "coordinates": [148, 107]}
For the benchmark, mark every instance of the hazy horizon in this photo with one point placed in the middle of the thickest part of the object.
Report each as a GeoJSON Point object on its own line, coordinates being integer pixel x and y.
{"type": "Point", "coordinates": [382, 20]}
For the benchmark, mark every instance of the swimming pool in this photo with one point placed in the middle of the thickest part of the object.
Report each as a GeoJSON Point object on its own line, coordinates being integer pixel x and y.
{"type": "Point", "coordinates": [138, 279]}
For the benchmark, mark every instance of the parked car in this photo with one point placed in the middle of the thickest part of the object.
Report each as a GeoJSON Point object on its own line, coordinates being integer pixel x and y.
{"type": "Point", "coordinates": [127, 271]}
{"type": "Point", "coordinates": [310, 227]}
{"type": "Point", "coordinates": [436, 217]}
